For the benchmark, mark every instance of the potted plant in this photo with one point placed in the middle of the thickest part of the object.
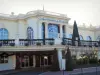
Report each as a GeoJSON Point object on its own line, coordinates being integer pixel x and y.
{"type": "Point", "coordinates": [38, 44]}
{"type": "Point", "coordinates": [51, 43]}
{"type": "Point", "coordinates": [0, 44]}
{"type": "Point", "coordinates": [12, 44]}
{"type": "Point", "coordinates": [26, 44]}
{"type": "Point", "coordinates": [63, 43]}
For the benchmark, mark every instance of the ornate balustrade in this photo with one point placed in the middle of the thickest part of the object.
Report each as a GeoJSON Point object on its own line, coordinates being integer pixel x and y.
{"type": "Point", "coordinates": [68, 41]}
{"type": "Point", "coordinates": [30, 42]}
{"type": "Point", "coordinates": [27, 42]}
{"type": "Point", "coordinates": [48, 41]}
{"type": "Point", "coordinates": [8, 42]}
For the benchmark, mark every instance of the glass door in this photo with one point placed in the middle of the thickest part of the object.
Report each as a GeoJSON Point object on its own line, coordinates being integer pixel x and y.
{"type": "Point", "coordinates": [25, 62]}
{"type": "Point", "coordinates": [44, 61]}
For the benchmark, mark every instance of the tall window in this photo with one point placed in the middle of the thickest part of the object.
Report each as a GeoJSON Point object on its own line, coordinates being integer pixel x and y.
{"type": "Point", "coordinates": [30, 33]}
{"type": "Point", "coordinates": [81, 37]}
{"type": "Point", "coordinates": [4, 59]}
{"type": "Point", "coordinates": [89, 38]}
{"type": "Point", "coordinates": [98, 38]}
{"type": "Point", "coordinates": [53, 30]}
{"type": "Point", "coordinates": [3, 33]}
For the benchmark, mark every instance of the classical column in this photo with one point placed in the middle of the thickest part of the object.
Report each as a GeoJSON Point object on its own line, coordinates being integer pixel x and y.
{"type": "Point", "coordinates": [46, 30]}
{"type": "Point", "coordinates": [61, 61]}
{"type": "Point", "coordinates": [61, 33]}
{"type": "Point", "coordinates": [17, 34]}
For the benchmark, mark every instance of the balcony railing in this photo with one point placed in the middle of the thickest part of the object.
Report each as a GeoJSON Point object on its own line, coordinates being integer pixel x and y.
{"type": "Point", "coordinates": [48, 41]}
{"type": "Point", "coordinates": [30, 42]}
{"type": "Point", "coordinates": [27, 42]}
{"type": "Point", "coordinates": [8, 42]}
{"type": "Point", "coordinates": [68, 41]}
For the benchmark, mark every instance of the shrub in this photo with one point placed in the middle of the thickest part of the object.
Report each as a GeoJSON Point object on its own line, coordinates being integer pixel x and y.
{"type": "Point", "coordinates": [55, 64]}
{"type": "Point", "coordinates": [93, 60]}
{"type": "Point", "coordinates": [69, 61]}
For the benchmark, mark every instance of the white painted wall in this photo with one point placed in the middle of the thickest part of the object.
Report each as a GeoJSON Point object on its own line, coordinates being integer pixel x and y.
{"type": "Point", "coordinates": [10, 65]}
{"type": "Point", "coordinates": [97, 33]}
{"type": "Point", "coordinates": [83, 32]}
{"type": "Point", "coordinates": [36, 24]}
{"type": "Point", "coordinates": [22, 29]}
{"type": "Point", "coordinates": [32, 22]}
{"type": "Point", "coordinates": [11, 26]}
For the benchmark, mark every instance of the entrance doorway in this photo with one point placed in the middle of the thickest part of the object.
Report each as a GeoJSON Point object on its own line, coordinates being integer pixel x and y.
{"type": "Point", "coordinates": [25, 62]}
{"type": "Point", "coordinates": [43, 60]}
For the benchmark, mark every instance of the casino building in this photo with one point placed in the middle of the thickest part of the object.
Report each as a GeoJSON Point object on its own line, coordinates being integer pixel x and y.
{"type": "Point", "coordinates": [28, 40]}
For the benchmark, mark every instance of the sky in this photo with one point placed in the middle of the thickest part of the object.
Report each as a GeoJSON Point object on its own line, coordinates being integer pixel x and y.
{"type": "Point", "coordinates": [83, 11]}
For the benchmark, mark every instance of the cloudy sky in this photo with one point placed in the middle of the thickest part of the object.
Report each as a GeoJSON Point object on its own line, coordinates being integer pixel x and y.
{"type": "Point", "coordinates": [83, 11]}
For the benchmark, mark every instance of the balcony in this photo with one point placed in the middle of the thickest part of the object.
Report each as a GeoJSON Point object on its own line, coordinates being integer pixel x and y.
{"type": "Point", "coordinates": [29, 45]}
{"type": "Point", "coordinates": [27, 42]}
{"type": "Point", "coordinates": [44, 45]}
{"type": "Point", "coordinates": [83, 43]}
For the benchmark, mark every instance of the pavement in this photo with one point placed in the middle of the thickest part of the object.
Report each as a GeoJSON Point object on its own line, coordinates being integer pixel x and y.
{"type": "Point", "coordinates": [83, 71]}
{"type": "Point", "coordinates": [21, 71]}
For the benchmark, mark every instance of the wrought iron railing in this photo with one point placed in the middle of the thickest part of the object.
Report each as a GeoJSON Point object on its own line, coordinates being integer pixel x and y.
{"type": "Point", "coordinates": [27, 42]}
{"type": "Point", "coordinates": [30, 42]}
{"type": "Point", "coordinates": [68, 41]}
{"type": "Point", "coordinates": [8, 42]}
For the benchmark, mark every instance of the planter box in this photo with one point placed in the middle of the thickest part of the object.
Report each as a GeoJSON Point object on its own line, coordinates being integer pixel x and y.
{"type": "Point", "coordinates": [0, 44]}
{"type": "Point", "coordinates": [26, 44]}
{"type": "Point", "coordinates": [51, 43]}
{"type": "Point", "coordinates": [12, 44]}
{"type": "Point", "coordinates": [38, 44]}
{"type": "Point", "coordinates": [63, 43]}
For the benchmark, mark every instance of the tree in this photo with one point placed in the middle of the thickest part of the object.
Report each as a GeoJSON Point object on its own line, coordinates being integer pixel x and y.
{"type": "Point", "coordinates": [69, 64]}
{"type": "Point", "coordinates": [55, 65]}
{"type": "Point", "coordinates": [75, 34]}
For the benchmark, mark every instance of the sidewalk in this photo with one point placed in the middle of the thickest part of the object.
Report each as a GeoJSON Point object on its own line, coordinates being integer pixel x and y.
{"type": "Point", "coordinates": [75, 71]}
{"type": "Point", "coordinates": [9, 72]}
{"type": "Point", "coordinates": [19, 70]}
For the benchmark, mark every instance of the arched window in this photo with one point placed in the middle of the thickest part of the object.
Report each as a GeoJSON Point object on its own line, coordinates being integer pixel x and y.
{"type": "Point", "coordinates": [3, 33]}
{"type": "Point", "coordinates": [30, 33]}
{"type": "Point", "coordinates": [81, 37]}
{"type": "Point", "coordinates": [98, 38]}
{"type": "Point", "coordinates": [89, 38]}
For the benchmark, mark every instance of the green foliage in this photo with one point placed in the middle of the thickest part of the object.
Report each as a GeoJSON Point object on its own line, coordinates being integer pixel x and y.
{"type": "Point", "coordinates": [69, 61]}
{"type": "Point", "coordinates": [55, 65]}
{"type": "Point", "coordinates": [93, 60]}
{"type": "Point", "coordinates": [38, 44]}
{"type": "Point", "coordinates": [12, 44]}
{"type": "Point", "coordinates": [51, 43]}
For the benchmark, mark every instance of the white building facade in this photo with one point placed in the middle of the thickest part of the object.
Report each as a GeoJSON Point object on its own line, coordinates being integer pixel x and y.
{"type": "Point", "coordinates": [20, 35]}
